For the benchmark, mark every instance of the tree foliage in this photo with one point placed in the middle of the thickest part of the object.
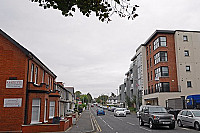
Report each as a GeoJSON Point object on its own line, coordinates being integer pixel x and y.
{"type": "Point", "coordinates": [102, 99]}
{"type": "Point", "coordinates": [103, 9]}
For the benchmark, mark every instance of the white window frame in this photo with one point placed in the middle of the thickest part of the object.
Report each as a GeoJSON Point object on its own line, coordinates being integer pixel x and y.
{"type": "Point", "coordinates": [52, 108]}
{"type": "Point", "coordinates": [38, 119]}
{"type": "Point", "coordinates": [32, 72]}
{"type": "Point", "coordinates": [36, 75]}
{"type": "Point", "coordinates": [45, 110]}
{"type": "Point", "coordinates": [186, 53]}
{"type": "Point", "coordinates": [190, 84]}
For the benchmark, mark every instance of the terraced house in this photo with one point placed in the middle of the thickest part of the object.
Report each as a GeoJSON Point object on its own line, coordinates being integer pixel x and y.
{"type": "Point", "coordinates": [27, 90]}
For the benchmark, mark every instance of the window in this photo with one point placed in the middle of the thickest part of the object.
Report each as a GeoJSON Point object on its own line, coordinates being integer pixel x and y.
{"type": "Point", "coordinates": [147, 63]}
{"type": "Point", "coordinates": [160, 56]}
{"type": "Point", "coordinates": [189, 84]}
{"type": "Point", "coordinates": [163, 41]}
{"type": "Point", "coordinates": [160, 41]}
{"type": "Point", "coordinates": [186, 52]}
{"type": "Point", "coordinates": [35, 111]}
{"type": "Point", "coordinates": [150, 63]}
{"type": "Point", "coordinates": [164, 71]}
{"type": "Point", "coordinates": [36, 75]}
{"type": "Point", "coordinates": [52, 109]}
{"type": "Point", "coordinates": [45, 110]}
{"type": "Point", "coordinates": [148, 76]}
{"type": "Point", "coordinates": [152, 88]}
{"type": "Point", "coordinates": [164, 87]}
{"type": "Point", "coordinates": [187, 68]}
{"type": "Point", "coordinates": [185, 38]}
{"type": "Point", "coordinates": [32, 71]}
{"type": "Point", "coordinates": [151, 76]}
{"type": "Point", "coordinates": [163, 56]}
{"type": "Point", "coordinates": [149, 49]}
{"type": "Point", "coordinates": [43, 76]}
{"type": "Point", "coordinates": [157, 72]}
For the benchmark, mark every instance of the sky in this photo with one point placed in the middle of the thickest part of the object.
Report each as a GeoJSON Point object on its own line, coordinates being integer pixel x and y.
{"type": "Point", "coordinates": [85, 53]}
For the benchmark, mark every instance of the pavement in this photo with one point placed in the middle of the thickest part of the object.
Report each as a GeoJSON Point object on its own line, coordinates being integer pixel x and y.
{"type": "Point", "coordinates": [84, 123]}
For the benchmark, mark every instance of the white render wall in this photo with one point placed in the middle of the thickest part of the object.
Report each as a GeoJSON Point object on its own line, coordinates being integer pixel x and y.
{"type": "Point", "coordinates": [193, 45]}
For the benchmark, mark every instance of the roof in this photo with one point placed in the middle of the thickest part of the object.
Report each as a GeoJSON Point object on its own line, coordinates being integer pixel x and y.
{"type": "Point", "coordinates": [27, 53]}
{"type": "Point", "coordinates": [70, 89]}
{"type": "Point", "coordinates": [158, 32]}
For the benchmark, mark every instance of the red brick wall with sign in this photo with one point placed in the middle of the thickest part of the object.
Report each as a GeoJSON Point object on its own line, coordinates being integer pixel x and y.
{"type": "Point", "coordinates": [13, 63]}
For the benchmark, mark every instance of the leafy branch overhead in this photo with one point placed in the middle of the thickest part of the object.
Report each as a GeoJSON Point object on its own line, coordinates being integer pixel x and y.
{"type": "Point", "coordinates": [103, 9]}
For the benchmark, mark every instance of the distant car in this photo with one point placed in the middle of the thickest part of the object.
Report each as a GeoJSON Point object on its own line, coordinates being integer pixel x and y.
{"type": "Point", "coordinates": [109, 108]}
{"type": "Point", "coordinates": [127, 110]}
{"type": "Point", "coordinates": [112, 109]}
{"type": "Point", "coordinates": [104, 107]}
{"type": "Point", "coordinates": [120, 112]}
{"type": "Point", "coordinates": [92, 105]}
{"type": "Point", "coordinates": [189, 117]}
{"type": "Point", "coordinates": [156, 116]}
{"type": "Point", "coordinates": [100, 111]}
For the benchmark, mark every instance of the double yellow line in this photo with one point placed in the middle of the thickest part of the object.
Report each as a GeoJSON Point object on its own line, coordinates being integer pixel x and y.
{"type": "Point", "coordinates": [94, 123]}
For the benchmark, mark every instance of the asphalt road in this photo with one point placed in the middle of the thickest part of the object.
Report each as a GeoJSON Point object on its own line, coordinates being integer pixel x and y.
{"type": "Point", "coordinates": [110, 124]}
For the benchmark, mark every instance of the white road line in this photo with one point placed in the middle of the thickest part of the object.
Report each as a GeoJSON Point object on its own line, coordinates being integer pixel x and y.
{"type": "Point", "coordinates": [130, 123]}
{"type": "Point", "coordinates": [145, 129]}
{"type": "Point", "coordinates": [186, 128]}
{"type": "Point", "coordinates": [106, 123]}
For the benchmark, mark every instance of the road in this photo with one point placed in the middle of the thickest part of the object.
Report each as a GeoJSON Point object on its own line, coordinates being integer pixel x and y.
{"type": "Point", "coordinates": [110, 124]}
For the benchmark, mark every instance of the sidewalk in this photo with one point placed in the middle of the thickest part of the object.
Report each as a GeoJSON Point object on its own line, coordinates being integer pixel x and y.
{"type": "Point", "coordinates": [83, 125]}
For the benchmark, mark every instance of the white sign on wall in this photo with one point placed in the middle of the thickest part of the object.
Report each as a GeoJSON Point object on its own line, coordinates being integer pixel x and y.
{"type": "Point", "coordinates": [12, 102]}
{"type": "Point", "coordinates": [14, 83]}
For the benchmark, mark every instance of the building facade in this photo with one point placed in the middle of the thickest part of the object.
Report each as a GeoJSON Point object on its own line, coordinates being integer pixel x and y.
{"type": "Point", "coordinates": [27, 89]}
{"type": "Point", "coordinates": [172, 66]}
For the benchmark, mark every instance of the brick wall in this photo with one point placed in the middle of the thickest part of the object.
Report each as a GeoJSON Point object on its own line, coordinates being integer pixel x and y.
{"type": "Point", "coordinates": [13, 63]}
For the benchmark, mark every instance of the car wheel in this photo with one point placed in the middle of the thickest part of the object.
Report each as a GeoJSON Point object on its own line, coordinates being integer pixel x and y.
{"type": "Point", "coordinates": [151, 125]}
{"type": "Point", "coordinates": [141, 122]}
{"type": "Point", "coordinates": [196, 126]}
{"type": "Point", "coordinates": [172, 126]}
{"type": "Point", "coordinates": [179, 123]}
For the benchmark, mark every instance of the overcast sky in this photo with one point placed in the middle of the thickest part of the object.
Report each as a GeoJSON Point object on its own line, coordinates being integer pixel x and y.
{"type": "Point", "coordinates": [85, 53]}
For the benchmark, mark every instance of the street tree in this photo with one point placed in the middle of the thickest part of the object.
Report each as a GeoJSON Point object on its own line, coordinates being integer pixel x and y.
{"type": "Point", "coordinates": [89, 97]}
{"type": "Point", "coordinates": [78, 94]}
{"type": "Point", "coordinates": [103, 9]}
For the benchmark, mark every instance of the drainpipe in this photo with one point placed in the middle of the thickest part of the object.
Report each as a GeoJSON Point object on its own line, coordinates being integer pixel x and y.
{"type": "Point", "coordinates": [26, 99]}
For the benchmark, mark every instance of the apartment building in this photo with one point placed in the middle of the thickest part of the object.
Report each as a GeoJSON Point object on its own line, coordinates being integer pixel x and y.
{"type": "Point", "coordinates": [27, 87]}
{"type": "Point", "coordinates": [172, 65]}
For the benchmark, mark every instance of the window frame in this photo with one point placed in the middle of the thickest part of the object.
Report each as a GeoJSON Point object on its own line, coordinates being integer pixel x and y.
{"type": "Point", "coordinates": [189, 84]}
{"type": "Point", "coordinates": [52, 106]}
{"type": "Point", "coordinates": [36, 75]}
{"type": "Point", "coordinates": [186, 53]}
{"type": "Point", "coordinates": [39, 108]}
{"type": "Point", "coordinates": [32, 72]}
{"type": "Point", "coordinates": [187, 68]}
{"type": "Point", "coordinates": [185, 38]}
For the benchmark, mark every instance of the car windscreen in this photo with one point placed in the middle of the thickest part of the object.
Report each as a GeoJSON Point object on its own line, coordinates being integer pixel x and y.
{"type": "Point", "coordinates": [196, 113]}
{"type": "Point", "coordinates": [119, 109]}
{"type": "Point", "coordinates": [157, 110]}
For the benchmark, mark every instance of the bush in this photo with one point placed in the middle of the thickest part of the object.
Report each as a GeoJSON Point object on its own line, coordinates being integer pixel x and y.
{"type": "Point", "coordinates": [132, 109]}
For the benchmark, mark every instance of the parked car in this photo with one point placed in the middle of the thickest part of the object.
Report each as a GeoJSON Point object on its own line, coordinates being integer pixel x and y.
{"type": "Point", "coordinates": [92, 105]}
{"type": "Point", "coordinates": [104, 107]}
{"type": "Point", "coordinates": [100, 111]}
{"type": "Point", "coordinates": [69, 112]}
{"type": "Point", "coordinates": [156, 116]}
{"type": "Point", "coordinates": [120, 112]}
{"type": "Point", "coordinates": [127, 110]}
{"type": "Point", "coordinates": [189, 117]}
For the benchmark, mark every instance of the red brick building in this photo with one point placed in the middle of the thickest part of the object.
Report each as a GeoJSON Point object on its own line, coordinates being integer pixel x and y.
{"type": "Point", "coordinates": [27, 94]}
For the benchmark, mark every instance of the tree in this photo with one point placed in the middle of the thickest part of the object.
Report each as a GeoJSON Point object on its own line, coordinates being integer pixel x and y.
{"type": "Point", "coordinates": [113, 94]}
{"type": "Point", "coordinates": [89, 97]}
{"type": "Point", "coordinates": [103, 9]}
{"type": "Point", "coordinates": [78, 94]}
{"type": "Point", "coordinates": [84, 98]}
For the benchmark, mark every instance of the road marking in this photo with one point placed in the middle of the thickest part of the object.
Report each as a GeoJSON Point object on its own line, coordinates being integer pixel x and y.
{"type": "Point", "coordinates": [145, 129]}
{"type": "Point", "coordinates": [130, 123]}
{"type": "Point", "coordinates": [186, 128]}
{"type": "Point", "coordinates": [106, 123]}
